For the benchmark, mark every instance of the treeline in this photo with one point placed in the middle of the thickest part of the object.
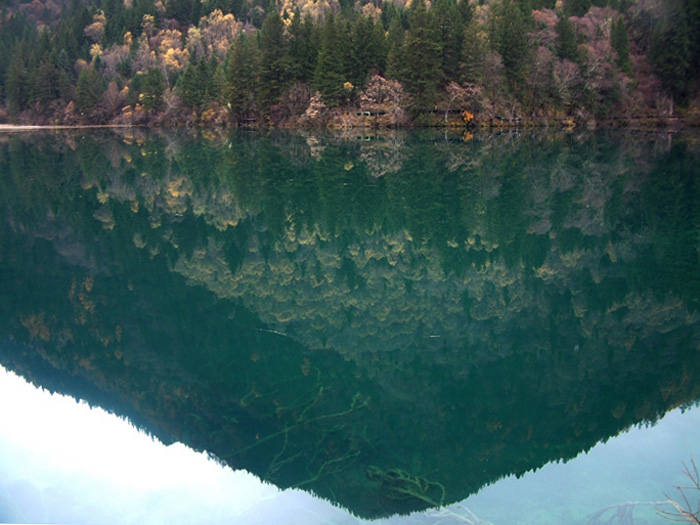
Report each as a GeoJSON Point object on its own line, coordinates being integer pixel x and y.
{"type": "Point", "coordinates": [217, 61]}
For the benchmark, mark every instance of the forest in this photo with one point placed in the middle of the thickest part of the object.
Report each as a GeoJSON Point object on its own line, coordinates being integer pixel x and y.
{"type": "Point", "coordinates": [339, 63]}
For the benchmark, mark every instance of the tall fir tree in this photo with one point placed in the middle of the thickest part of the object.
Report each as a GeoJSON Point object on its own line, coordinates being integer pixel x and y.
{"type": "Point", "coordinates": [89, 91]}
{"type": "Point", "coordinates": [567, 48]}
{"type": "Point", "coordinates": [302, 49]}
{"type": "Point", "coordinates": [153, 88]}
{"type": "Point", "coordinates": [191, 87]}
{"type": "Point", "coordinates": [620, 43]}
{"type": "Point", "coordinates": [330, 75]}
{"type": "Point", "coordinates": [509, 27]}
{"type": "Point", "coordinates": [421, 71]}
{"type": "Point", "coordinates": [449, 28]}
{"type": "Point", "coordinates": [671, 51]}
{"type": "Point", "coordinates": [366, 50]}
{"type": "Point", "coordinates": [394, 46]}
{"type": "Point", "coordinates": [241, 73]}
{"type": "Point", "coordinates": [17, 84]}
{"type": "Point", "coordinates": [473, 53]}
{"type": "Point", "coordinates": [275, 74]}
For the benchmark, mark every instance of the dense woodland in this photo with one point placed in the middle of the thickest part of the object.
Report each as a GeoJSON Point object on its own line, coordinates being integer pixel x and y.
{"type": "Point", "coordinates": [343, 63]}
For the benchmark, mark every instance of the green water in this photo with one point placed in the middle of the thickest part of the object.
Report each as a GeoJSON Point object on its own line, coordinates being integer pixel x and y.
{"type": "Point", "coordinates": [390, 322]}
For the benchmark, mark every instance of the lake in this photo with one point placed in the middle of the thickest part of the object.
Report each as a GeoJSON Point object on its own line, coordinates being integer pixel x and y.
{"type": "Point", "coordinates": [413, 327]}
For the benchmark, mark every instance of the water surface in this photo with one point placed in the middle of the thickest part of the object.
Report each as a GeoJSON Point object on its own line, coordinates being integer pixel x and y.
{"type": "Point", "coordinates": [389, 322]}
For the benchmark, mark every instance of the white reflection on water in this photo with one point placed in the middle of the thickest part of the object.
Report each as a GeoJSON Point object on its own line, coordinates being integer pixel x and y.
{"type": "Point", "coordinates": [62, 462]}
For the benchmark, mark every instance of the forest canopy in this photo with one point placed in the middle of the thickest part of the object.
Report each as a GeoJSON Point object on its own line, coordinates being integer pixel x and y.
{"type": "Point", "coordinates": [299, 62]}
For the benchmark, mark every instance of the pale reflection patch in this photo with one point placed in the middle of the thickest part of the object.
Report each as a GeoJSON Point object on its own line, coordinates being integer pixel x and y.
{"type": "Point", "coordinates": [62, 461]}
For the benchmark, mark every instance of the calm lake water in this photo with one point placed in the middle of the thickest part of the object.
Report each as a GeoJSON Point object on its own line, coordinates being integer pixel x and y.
{"type": "Point", "coordinates": [423, 323]}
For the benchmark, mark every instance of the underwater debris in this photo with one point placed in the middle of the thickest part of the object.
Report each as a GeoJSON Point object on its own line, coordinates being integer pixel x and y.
{"type": "Point", "coordinates": [397, 484]}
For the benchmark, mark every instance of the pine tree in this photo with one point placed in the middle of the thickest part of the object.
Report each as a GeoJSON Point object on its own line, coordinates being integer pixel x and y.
{"type": "Point", "coordinates": [620, 43]}
{"type": "Point", "coordinates": [89, 91]}
{"type": "Point", "coordinates": [567, 48]}
{"type": "Point", "coordinates": [275, 73]}
{"type": "Point", "coordinates": [509, 26]}
{"type": "Point", "coordinates": [153, 87]}
{"type": "Point", "coordinates": [421, 71]}
{"type": "Point", "coordinates": [394, 45]}
{"type": "Point", "coordinates": [45, 82]}
{"type": "Point", "coordinates": [577, 7]}
{"type": "Point", "coordinates": [191, 88]}
{"type": "Point", "coordinates": [240, 86]}
{"type": "Point", "coordinates": [330, 77]}
{"type": "Point", "coordinates": [302, 51]}
{"type": "Point", "coordinates": [474, 50]}
{"type": "Point", "coordinates": [365, 51]}
{"type": "Point", "coordinates": [17, 82]}
{"type": "Point", "coordinates": [671, 51]}
{"type": "Point", "coordinates": [449, 29]}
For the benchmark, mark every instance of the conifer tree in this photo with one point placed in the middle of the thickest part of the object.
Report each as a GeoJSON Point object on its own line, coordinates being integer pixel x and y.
{"type": "Point", "coordinates": [620, 43]}
{"type": "Point", "coordinates": [45, 85]}
{"type": "Point", "coordinates": [365, 51]}
{"type": "Point", "coordinates": [566, 39]}
{"type": "Point", "coordinates": [421, 69]}
{"type": "Point", "coordinates": [89, 91]}
{"type": "Point", "coordinates": [473, 53]}
{"type": "Point", "coordinates": [449, 29]}
{"type": "Point", "coordinates": [509, 25]}
{"type": "Point", "coordinates": [191, 87]}
{"type": "Point", "coordinates": [302, 51]}
{"type": "Point", "coordinates": [241, 71]}
{"type": "Point", "coordinates": [152, 89]}
{"type": "Point", "coordinates": [577, 7]}
{"type": "Point", "coordinates": [274, 65]}
{"type": "Point", "coordinates": [671, 51]}
{"type": "Point", "coordinates": [17, 81]}
{"type": "Point", "coordinates": [394, 45]}
{"type": "Point", "coordinates": [329, 78]}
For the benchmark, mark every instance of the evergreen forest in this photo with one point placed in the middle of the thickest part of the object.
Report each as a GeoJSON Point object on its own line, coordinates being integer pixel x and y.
{"type": "Point", "coordinates": [339, 63]}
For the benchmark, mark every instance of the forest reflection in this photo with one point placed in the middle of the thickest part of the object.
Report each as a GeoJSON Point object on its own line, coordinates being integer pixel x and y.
{"type": "Point", "coordinates": [390, 321]}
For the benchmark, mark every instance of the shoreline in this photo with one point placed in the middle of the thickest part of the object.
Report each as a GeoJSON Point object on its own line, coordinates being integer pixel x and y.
{"type": "Point", "coordinates": [12, 128]}
{"type": "Point", "coordinates": [643, 123]}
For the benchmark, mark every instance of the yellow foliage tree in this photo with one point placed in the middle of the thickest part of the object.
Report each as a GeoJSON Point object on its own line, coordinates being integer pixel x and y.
{"type": "Point", "coordinates": [96, 30]}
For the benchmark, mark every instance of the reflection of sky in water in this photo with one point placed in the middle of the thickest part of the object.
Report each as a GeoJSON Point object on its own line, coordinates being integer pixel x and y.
{"type": "Point", "coordinates": [63, 462]}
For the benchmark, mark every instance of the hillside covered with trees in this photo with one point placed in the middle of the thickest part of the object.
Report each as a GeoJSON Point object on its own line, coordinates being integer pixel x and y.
{"type": "Point", "coordinates": [343, 63]}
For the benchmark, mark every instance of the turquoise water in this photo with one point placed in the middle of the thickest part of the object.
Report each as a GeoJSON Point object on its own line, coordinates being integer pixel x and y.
{"type": "Point", "coordinates": [391, 322]}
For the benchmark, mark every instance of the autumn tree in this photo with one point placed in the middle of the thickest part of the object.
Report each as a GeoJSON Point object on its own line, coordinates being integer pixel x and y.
{"type": "Point", "coordinates": [96, 30]}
